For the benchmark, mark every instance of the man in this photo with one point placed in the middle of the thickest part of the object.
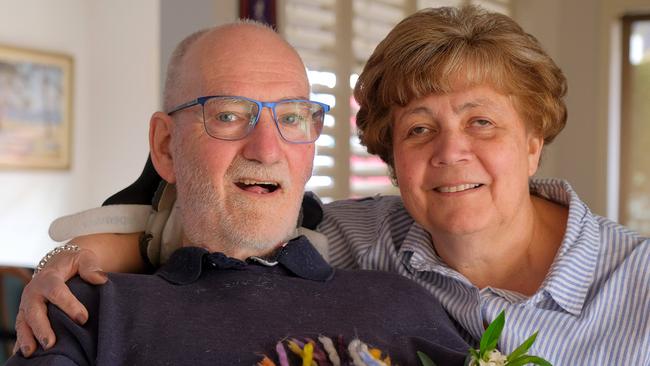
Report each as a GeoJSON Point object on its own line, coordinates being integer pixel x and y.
{"type": "Point", "coordinates": [238, 143]}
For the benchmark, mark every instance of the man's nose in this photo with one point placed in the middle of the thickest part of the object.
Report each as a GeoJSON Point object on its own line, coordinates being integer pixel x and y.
{"type": "Point", "coordinates": [451, 148]}
{"type": "Point", "coordinates": [263, 144]}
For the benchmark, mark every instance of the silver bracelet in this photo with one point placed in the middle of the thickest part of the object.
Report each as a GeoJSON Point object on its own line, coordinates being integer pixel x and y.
{"type": "Point", "coordinates": [52, 253]}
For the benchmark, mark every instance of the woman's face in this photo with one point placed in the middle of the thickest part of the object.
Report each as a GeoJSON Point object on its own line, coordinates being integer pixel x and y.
{"type": "Point", "coordinates": [463, 160]}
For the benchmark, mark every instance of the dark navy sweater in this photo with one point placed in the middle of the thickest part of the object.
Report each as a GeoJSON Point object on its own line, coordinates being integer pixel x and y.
{"type": "Point", "coordinates": [207, 309]}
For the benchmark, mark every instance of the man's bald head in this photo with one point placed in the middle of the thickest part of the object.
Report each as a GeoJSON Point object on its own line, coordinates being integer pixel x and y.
{"type": "Point", "coordinates": [176, 86]}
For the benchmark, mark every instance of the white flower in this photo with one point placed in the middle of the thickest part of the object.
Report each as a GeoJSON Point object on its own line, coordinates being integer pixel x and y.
{"type": "Point", "coordinates": [494, 358]}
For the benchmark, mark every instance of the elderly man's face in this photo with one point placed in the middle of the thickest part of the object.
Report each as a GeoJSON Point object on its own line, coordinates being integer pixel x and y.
{"type": "Point", "coordinates": [242, 197]}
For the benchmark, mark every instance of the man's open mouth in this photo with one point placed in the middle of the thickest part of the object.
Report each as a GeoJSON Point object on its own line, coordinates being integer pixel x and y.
{"type": "Point", "coordinates": [458, 188]}
{"type": "Point", "coordinates": [260, 187]}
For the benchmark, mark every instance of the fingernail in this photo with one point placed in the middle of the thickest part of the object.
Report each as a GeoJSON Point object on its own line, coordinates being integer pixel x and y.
{"type": "Point", "coordinates": [103, 274]}
{"type": "Point", "coordinates": [44, 342]}
{"type": "Point", "coordinates": [24, 349]}
{"type": "Point", "coordinates": [80, 319]}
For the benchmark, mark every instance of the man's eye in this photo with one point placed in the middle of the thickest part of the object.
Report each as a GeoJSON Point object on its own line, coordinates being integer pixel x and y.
{"type": "Point", "coordinates": [481, 123]}
{"type": "Point", "coordinates": [291, 119]}
{"type": "Point", "coordinates": [226, 117]}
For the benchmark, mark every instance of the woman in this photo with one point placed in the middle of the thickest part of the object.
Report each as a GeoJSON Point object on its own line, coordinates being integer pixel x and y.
{"type": "Point", "coordinates": [460, 103]}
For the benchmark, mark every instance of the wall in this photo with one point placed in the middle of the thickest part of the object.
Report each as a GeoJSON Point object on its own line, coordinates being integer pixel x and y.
{"type": "Point", "coordinates": [115, 50]}
{"type": "Point", "coordinates": [577, 34]}
{"type": "Point", "coordinates": [179, 19]}
{"type": "Point", "coordinates": [569, 32]}
{"type": "Point", "coordinates": [124, 84]}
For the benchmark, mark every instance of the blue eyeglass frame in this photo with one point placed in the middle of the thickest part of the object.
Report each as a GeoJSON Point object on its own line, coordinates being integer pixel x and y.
{"type": "Point", "coordinates": [260, 105]}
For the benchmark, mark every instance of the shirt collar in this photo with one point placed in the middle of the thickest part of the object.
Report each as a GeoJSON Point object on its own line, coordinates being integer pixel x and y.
{"type": "Point", "coordinates": [298, 257]}
{"type": "Point", "coordinates": [419, 255]}
{"type": "Point", "coordinates": [572, 272]}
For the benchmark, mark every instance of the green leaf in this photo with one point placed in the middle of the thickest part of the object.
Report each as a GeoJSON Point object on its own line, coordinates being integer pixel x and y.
{"type": "Point", "coordinates": [491, 336]}
{"type": "Point", "coordinates": [426, 361]}
{"type": "Point", "coordinates": [525, 360]}
{"type": "Point", "coordinates": [523, 348]}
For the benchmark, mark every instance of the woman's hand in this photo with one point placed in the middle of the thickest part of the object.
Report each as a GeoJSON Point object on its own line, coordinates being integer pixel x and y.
{"type": "Point", "coordinates": [112, 252]}
{"type": "Point", "coordinates": [49, 285]}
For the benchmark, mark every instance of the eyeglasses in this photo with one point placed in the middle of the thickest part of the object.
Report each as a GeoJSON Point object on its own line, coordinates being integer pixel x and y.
{"type": "Point", "coordinates": [233, 118]}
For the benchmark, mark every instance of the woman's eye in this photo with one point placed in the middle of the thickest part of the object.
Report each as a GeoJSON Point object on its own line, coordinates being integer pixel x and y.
{"type": "Point", "coordinates": [418, 131]}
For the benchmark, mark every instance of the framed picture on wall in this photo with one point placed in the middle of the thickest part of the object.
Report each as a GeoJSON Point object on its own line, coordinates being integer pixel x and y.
{"type": "Point", "coordinates": [35, 109]}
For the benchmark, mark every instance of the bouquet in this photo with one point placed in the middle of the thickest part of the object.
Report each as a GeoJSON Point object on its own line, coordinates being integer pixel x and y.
{"type": "Point", "coordinates": [489, 355]}
{"type": "Point", "coordinates": [336, 351]}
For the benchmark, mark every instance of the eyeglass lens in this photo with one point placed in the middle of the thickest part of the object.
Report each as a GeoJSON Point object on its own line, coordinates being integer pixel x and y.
{"type": "Point", "coordinates": [232, 118]}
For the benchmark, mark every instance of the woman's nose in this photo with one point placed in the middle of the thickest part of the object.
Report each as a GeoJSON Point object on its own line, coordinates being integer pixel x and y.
{"type": "Point", "coordinates": [451, 148]}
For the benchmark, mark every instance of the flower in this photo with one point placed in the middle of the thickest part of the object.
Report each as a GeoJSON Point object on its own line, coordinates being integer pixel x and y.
{"type": "Point", "coordinates": [326, 351]}
{"type": "Point", "coordinates": [495, 358]}
{"type": "Point", "coordinates": [489, 355]}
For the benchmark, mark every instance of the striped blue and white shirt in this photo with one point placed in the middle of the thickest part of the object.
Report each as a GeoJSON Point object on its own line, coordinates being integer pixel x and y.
{"type": "Point", "coordinates": [593, 308]}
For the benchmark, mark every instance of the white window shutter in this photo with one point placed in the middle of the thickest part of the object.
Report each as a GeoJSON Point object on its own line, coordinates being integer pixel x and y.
{"type": "Point", "coordinates": [334, 39]}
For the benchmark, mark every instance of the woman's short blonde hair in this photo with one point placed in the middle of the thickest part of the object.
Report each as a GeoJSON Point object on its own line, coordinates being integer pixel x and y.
{"type": "Point", "coordinates": [433, 50]}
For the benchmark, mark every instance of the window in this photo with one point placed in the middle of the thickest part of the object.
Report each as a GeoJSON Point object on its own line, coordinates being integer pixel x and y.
{"type": "Point", "coordinates": [335, 38]}
{"type": "Point", "coordinates": [635, 125]}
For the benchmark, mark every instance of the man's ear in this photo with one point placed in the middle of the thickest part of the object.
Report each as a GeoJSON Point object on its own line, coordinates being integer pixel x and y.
{"type": "Point", "coordinates": [535, 145]}
{"type": "Point", "coordinates": [160, 136]}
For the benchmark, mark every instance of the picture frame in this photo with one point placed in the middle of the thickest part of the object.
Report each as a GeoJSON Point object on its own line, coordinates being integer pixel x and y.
{"type": "Point", "coordinates": [35, 109]}
{"type": "Point", "coordinates": [263, 11]}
